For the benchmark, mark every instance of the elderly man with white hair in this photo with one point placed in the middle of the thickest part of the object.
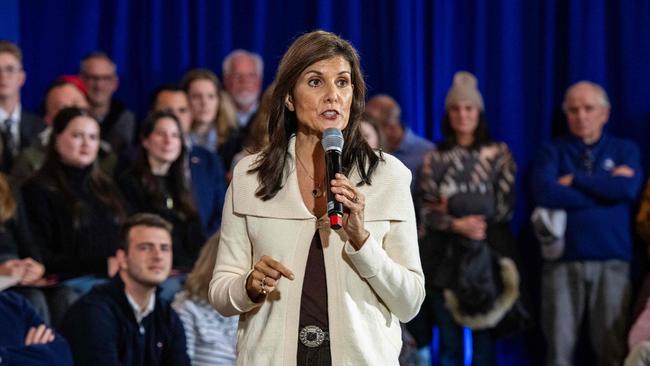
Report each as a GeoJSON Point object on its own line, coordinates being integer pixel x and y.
{"type": "Point", "coordinates": [242, 78]}
{"type": "Point", "coordinates": [595, 178]}
{"type": "Point", "coordinates": [243, 72]}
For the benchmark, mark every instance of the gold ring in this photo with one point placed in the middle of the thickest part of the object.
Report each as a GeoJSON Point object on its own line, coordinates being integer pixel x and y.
{"type": "Point", "coordinates": [355, 199]}
{"type": "Point", "coordinates": [263, 285]}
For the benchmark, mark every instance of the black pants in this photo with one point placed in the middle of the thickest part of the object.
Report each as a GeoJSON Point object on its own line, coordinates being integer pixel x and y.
{"type": "Point", "coordinates": [314, 356]}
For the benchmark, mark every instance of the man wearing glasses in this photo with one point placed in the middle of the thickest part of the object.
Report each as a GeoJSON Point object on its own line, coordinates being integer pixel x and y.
{"type": "Point", "coordinates": [117, 122]}
{"type": "Point", "coordinates": [18, 128]}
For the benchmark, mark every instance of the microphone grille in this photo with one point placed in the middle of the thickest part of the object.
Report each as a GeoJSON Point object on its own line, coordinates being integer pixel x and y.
{"type": "Point", "coordinates": [332, 139]}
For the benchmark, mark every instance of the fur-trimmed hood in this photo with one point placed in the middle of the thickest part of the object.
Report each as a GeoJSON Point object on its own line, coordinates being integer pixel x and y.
{"type": "Point", "coordinates": [503, 303]}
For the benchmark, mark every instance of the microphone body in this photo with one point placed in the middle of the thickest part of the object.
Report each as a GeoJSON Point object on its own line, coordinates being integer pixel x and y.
{"type": "Point", "coordinates": [334, 207]}
{"type": "Point", "coordinates": [333, 145]}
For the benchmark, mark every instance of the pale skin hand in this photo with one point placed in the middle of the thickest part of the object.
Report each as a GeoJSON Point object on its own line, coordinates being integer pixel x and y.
{"type": "Point", "coordinates": [471, 226]}
{"type": "Point", "coordinates": [39, 335]}
{"type": "Point", "coordinates": [441, 206]}
{"type": "Point", "coordinates": [566, 180]}
{"type": "Point", "coordinates": [12, 268]}
{"type": "Point", "coordinates": [27, 270]}
{"type": "Point", "coordinates": [33, 271]}
{"type": "Point", "coordinates": [270, 271]}
{"type": "Point", "coordinates": [622, 171]}
{"type": "Point", "coordinates": [353, 222]}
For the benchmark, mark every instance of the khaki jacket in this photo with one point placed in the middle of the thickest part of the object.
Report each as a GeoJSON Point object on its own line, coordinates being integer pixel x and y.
{"type": "Point", "coordinates": [369, 291]}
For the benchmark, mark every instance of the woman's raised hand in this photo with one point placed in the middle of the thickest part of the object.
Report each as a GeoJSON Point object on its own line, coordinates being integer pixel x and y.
{"type": "Point", "coordinates": [264, 278]}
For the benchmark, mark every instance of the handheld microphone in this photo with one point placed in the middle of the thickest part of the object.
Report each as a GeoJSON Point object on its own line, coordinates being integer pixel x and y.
{"type": "Point", "coordinates": [333, 145]}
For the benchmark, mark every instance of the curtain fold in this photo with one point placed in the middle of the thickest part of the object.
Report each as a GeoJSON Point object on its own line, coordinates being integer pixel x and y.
{"type": "Point", "coordinates": [524, 53]}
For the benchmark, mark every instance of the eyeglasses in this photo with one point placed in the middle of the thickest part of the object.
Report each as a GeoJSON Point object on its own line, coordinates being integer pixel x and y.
{"type": "Point", "coordinates": [244, 77]}
{"type": "Point", "coordinates": [97, 78]}
{"type": "Point", "coordinates": [10, 70]}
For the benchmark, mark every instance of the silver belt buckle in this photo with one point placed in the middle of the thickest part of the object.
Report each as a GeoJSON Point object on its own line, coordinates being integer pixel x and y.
{"type": "Point", "coordinates": [312, 336]}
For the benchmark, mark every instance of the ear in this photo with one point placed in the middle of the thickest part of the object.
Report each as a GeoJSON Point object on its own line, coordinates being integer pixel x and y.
{"type": "Point", "coordinates": [116, 83]}
{"type": "Point", "coordinates": [288, 101]}
{"type": "Point", "coordinates": [606, 112]}
{"type": "Point", "coordinates": [120, 254]}
{"type": "Point", "coordinates": [145, 144]}
{"type": "Point", "coordinates": [22, 77]}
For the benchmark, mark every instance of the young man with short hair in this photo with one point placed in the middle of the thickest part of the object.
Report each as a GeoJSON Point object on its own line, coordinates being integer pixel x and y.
{"type": "Point", "coordinates": [18, 128]}
{"type": "Point", "coordinates": [124, 322]}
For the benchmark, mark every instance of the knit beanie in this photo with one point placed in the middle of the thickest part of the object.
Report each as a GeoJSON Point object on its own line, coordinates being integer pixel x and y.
{"type": "Point", "coordinates": [464, 88]}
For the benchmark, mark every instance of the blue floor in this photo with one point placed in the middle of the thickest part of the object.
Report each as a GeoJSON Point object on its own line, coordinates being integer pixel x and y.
{"type": "Point", "coordinates": [510, 351]}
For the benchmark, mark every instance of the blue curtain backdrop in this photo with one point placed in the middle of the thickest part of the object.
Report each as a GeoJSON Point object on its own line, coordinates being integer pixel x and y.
{"type": "Point", "coordinates": [524, 53]}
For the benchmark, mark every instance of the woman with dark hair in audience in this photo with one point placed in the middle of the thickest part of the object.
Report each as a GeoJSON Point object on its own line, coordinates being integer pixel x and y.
{"type": "Point", "coordinates": [74, 209]}
{"type": "Point", "coordinates": [158, 182]}
{"type": "Point", "coordinates": [213, 114]}
{"type": "Point", "coordinates": [466, 196]}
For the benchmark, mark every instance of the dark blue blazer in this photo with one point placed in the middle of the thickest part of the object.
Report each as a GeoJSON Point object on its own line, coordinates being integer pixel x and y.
{"type": "Point", "coordinates": [30, 126]}
{"type": "Point", "coordinates": [102, 330]}
{"type": "Point", "coordinates": [208, 187]}
{"type": "Point", "coordinates": [16, 317]}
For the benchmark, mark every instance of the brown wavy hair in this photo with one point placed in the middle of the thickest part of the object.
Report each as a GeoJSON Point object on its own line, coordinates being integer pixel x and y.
{"type": "Point", "coordinates": [198, 281]}
{"type": "Point", "coordinates": [258, 135]}
{"type": "Point", "coordinates": [305, 51]}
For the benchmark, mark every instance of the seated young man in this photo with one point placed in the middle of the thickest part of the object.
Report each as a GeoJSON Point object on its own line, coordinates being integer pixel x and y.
{"type": "Point", "coordinates": [24, 337]}
{"type": "Point", "coordinates": [124, 321]}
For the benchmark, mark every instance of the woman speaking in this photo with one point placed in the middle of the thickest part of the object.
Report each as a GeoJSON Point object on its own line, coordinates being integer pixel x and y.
{"type": "Point", "coordinates": [308, 294]}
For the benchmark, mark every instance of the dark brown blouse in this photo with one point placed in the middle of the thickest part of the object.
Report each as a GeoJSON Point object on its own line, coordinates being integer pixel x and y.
{"type": "Point", "coordinates": [313, 304]}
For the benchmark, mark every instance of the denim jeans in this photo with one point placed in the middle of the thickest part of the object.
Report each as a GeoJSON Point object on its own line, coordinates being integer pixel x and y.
{"type": "Point", "coordinates": [452, 339]}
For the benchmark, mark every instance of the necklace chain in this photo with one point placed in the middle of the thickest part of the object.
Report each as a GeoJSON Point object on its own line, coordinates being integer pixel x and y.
{"type": "Point", "coordinates": [316, 192]}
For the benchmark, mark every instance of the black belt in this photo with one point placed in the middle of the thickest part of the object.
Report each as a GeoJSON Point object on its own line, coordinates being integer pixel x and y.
{"type": "Point", "coordinates": [312, 336]}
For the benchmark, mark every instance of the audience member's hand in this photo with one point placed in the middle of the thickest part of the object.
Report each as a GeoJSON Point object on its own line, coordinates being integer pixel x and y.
{"type": "Point", "coordinates": [623, 171]}
{"type": "Point", "coordinates": [471, 226]}
{"type": "Point", "coordinates": [33, 271]}
{"type": "Point", "coordinates": [39, 335]}
{"type": "Point", "coordinates": [264, 278]}
{"type": "Point", "coordinates": [566, 180]}
{"type": "Point", "coordinates": [12, 268]}
{"type": "Point", "coordinates": [113, 266]}
{"type": "Point", "coordinates": [440, 206]}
